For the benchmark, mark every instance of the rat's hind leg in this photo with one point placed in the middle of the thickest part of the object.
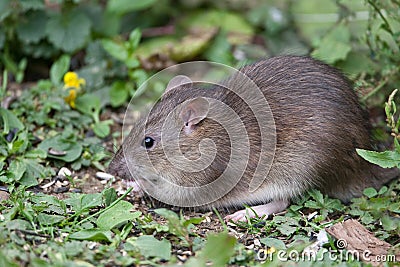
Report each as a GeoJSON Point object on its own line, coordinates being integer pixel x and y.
{"type": "Point", "coordinates": [267, 209]}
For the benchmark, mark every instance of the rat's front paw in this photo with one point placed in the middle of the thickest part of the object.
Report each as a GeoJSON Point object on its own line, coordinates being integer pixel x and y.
{"type": "Point", "coordinates": [261, 210]}
{"type": "Point", "coordinates": [239, 216]}
{"type": "Point", "coordinates": [135, 185]}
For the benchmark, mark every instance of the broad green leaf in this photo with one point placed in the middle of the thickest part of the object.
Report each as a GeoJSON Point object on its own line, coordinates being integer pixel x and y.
{"type": "Point", "coordinates": [116, 216]}
{"type": "Point", "coordinates": [88, 104]}
{"type": "Point", "coordinates": [316, 195]}
{"type": "Point", "coordinates": [73, 149]}
{"type": "Point", "coordinates": [35, 154]}
{"type": "Point", "coordinates": [334, 46]}
{"type": "Point", "coordinates": [115, 49]}
{"type": "Point", "coordinates": [4, 261]}
{"type": "Point", "coordinates": [219, 50]}
{"type": "Point", "coordinates": [390, 223]}
{"type": "Point", "coordinates": [90, 201]}
{"type": "Point", "coordinates": [151, 247]}
{"type": "Point", "coordinates": [124, 6]}
{"type": "Point", "coordinates": [192, 45]}
{"type": "Point", "coordinates": [32, 27]}
{"type": "Point", "coordinates": [273, 242]}
{"type": "Point", "coordinates": [119, 93]}
{"type": "Point", "coordinates": [225, 20]}
{"type": "Point", "coordinates": [383, 190]}
{"type": "Point", "coordinates": [68, 31]}
{"type": "Point", "coordinates": [394, 24]}
{"type": "Point", "coordinates": [17, 169]}
{"type": "Point", "coordinates": [34, 170]}
{"type": "Point", "coordinates": [83, 202]}
{"type": "Point", "coordinates": [59, 68]}
{"type": "Point", "coordinates": [370, 192]}
{"type": "Point", "coordinates": [109, 195]}
{"type": "Point", "coordinates": [192, 221]}
{"type": "Point", "coordinates": [219, 248]}
{"type": "Point", "coordinates": [389, 39]}
{"type": "Point", "coordinates": [102, 128]}
{"type": "Point", "coordinates": [386, 159]}
{"type": "Point", "coordinates": [92, 235]}
{"type": "Point", "coordinates": [286, 229]}
{"type": "Point", "coordinates": [168, 214]}
{"type": "Point", "coordinates": [9, 121]}
{"type": "Point", "coordinates": [47, 219]}
{"type": "Point", "coordinates": [6, 9]}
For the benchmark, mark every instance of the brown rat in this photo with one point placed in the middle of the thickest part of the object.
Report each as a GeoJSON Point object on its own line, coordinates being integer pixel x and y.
{"type": "Point", "coordinates": [317, 126]}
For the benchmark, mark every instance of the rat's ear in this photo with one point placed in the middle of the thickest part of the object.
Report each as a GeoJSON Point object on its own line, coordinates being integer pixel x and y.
{"type": "Point", "coordinates": [178, 81]}
{"type": "Point", "coordinates": [193, 112]}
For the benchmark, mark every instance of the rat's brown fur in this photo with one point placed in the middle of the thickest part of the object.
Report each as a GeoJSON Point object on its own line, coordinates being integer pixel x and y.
{"type": "Point", "coordinates": [319, 124]}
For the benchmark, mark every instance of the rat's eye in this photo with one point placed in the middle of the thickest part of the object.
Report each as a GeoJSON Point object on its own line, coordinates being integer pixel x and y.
{"type": "Point", "coordinates": [148, 142]}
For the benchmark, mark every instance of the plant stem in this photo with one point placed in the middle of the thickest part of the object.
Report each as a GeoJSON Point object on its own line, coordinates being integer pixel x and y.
{"type": "Point", "coordinates": [371, 2]}
{"type": "Point", "coordinates": [379, 87]}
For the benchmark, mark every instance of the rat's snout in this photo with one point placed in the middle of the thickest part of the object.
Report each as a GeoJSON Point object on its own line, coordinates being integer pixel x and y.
{"type": "Point", "coordinates": [118, 166]}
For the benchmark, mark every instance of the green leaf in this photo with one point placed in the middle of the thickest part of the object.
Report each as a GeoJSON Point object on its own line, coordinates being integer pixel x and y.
{"type": "Point", "coordinates": [134, 38]}
{"type": "Point", "coordinates": [389, 223]}
{"type": "Point", "coordinates": [317, 195]}
{"type": "Point", "coordinates": [286, 229]}
{"type": "Point", "coordinates": [33, 171]}
{"type": "Point", "coordinates": [32, 27]}
{"type": "Point", "coordinates": [89, 104]}
{"type": "Point", "coordinates": [90, 201]}
{"type": "Point", "coordinates": [9, 121]}
{"type": "Point", "coordinates": [151, 247]}
{"type": "Point", "coordinates": [102, 128]}
{"type": "Point", "coordinates": [174, 223]}
{"type": "Point", "coordinates": [6, 9]}
{"type": "Point", "coordinates": [59, 68]}
{"type": "Point", "coordinates": [227, 21]}
{"type": "Point", "coordinates": [119, 93]}
{"type": "Point", "coordinates": [17, 169]}
{"type": "Point", "coordinates": [370, 192]}
{"type": "Point", "coordinates": [334, 46]}
{"type": "Point", "coordinates": [92, 235]}
{"type": "Point", "coordinates": [273, 242]}
{"type": "Point", "coordinates": [219, 248]}
{"type": "Point", "coordinates": [383, 190]}
{"type": "Point", "coordinates": [4, 261]}
{"type": "Point", "coordinates": [115, 49]}
{"type": "Point", "coordinates": [124, 6]}
{"type": "Point", "coordinates": [389, 39]}
{"type": "Point", "coordinates": [68, 31]}
{"type": "Point", "coordinates": [47, 219]}
{"type": "Point", "coordinates": [35, 154]}
{"type": "Point", "coordinates": [116, 216]}
{"type": "Point", "coordinates": [72, 148]}
{"type": "Point", "coordinates": [109, 195]}
{"type": "Point", "coordinates": [220, 50]}
{"type": "Point", "coordinates": [386, 159]}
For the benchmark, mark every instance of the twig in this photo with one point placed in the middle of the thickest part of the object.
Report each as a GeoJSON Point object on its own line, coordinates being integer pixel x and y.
{"type": "Point", "coordinates": [381, 15]}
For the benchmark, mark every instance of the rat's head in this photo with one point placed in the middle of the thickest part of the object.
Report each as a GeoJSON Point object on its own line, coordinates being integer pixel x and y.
{"type": "Point", "coordinates": [179, 148]}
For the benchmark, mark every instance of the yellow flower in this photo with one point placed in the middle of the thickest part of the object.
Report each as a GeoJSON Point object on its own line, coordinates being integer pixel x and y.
{"type": "Point", "coordinates": [70, 99]}
{"type": "Point", "coordinates": [271, 250]}
{"type": "Point", "coordinates": [73, 83]}
{"type": "Point", "coordinates": [71, 79]}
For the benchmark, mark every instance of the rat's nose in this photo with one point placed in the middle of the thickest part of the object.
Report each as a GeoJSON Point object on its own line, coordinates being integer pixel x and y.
{"type": "Point", "coordinates": [118, 166]}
